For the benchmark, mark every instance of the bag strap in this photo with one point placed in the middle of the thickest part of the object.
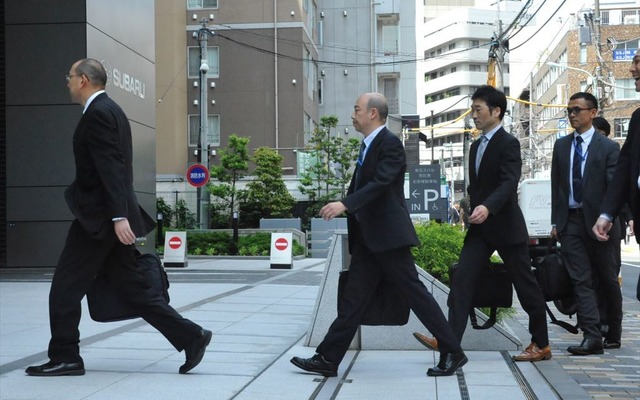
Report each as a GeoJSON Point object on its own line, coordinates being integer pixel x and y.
{"type": "Point", "coordinates": [488, 323]}
{"type": "Point", "coordinates": [568, 327]}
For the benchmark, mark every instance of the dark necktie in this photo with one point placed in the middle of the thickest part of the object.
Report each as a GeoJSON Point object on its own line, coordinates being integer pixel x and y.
{"type": "Point", "coordinates": [577, 170]}
{"type": "Point", "coordinates": [360, 160]}
{"type": "Point", "coordinates": [361, 154]}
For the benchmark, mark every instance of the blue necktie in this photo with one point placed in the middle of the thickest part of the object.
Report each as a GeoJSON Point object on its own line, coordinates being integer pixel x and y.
{"type": "Point", "coordinates": [361, 154]}
{"type": "Point", "coordinates": [481, 148]}
{"type": "Point", "coordinates": [576, 170]}
{"type": "Point", "coordinates": [360, 160]}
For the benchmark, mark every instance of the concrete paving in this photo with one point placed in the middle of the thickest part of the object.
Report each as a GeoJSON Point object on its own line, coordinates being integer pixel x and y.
{"type": "Point", "coordinates": [260, 318]}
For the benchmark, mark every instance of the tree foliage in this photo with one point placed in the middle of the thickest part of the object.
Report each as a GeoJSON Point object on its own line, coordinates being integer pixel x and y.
{"type": "Point", "coordinates": [332, 159]}
{"type": "Point", "coordinates": [266, 196]}
{"type": "Point", "coordinates": [234, 165]}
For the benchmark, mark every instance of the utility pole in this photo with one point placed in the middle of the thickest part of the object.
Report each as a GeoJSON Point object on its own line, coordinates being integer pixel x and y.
{"type": "Point", "coordinates": [433, 144]}
{"type": "Point", "coordinates": [203, 151]}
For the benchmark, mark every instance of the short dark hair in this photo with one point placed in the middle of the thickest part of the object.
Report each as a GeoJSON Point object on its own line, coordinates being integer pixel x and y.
{"type": "Point", "coordinates": [588, 97]}
{"type": "Point", "coordinates": [93, 70]}
{"type": "Point", "coordinates": [493, 97]}
{"type": "Point", "coordinates": [602, 124]}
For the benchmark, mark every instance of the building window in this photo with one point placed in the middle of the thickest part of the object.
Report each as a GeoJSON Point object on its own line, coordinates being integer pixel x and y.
{"type": "Point", "coordinates": [620, 127]}
{"type": "Point", "coordinates": [474, 43]}
{"type": "Point", "coordinates": [583, 54]}
{"type": "Point", "coordinates": [623, 48]}
{"type": "Point", "coordinates": [320, 33]}
{"type": "Point", "coordinates": [388, 34]}
{"type": "Point", "coordinates": [212, 60]}
{"type": "Point", "coordinates": [213, 126]}
{"type": "Point", "coordinates": [198, 4]}
{"type": "Point", "coordinates": [453, 69]}
{"type": "Point", "coordinates": [475, 68]}
{"type": "Point", "coordinates": [629, 91]}
{"type": "Point", "coordinates": [604, 17]}
{"type": "Point", "coordinates": [630, 17]}
{"type": "Point", "coordinates": [452, 46]}
{"type": "Point", "coordinates": [320, 91]}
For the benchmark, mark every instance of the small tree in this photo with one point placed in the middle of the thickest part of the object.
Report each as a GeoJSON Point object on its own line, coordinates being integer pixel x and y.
{"type": "Point", "coordinates": [184, 218]}
{"type": "Point", "coordinates": [165, 209]}
{"type": "Point", "coordinates": [266, 196]}
{"type": "Point", "coordinates": [234, 165]}
{"type": "Point", "coordinates": [329, 174]}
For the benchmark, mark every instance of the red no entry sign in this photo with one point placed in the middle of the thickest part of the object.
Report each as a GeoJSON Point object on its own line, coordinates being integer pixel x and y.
{"type": "Point", "coordinates": [282, 244]}
{"type": "Point", "coordinates": [175, 242]}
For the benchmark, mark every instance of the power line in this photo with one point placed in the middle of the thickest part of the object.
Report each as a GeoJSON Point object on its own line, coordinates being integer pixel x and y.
{"type": "Point", "coordinates": [543, 25]}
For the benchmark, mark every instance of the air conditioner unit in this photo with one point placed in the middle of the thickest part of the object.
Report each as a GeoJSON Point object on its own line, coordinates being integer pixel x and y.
{"type": "Point", "coordinates": [631, 20]}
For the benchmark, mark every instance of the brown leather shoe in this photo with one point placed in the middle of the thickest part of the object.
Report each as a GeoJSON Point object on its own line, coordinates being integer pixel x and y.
{"type": "Point", "coordinates": [533, 353]}
{"type": "Point", "coordinates": [430, 343]}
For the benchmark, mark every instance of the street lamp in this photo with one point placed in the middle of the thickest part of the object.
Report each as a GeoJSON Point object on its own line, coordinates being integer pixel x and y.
{"type": "Point", "coordinates": [593, 82]}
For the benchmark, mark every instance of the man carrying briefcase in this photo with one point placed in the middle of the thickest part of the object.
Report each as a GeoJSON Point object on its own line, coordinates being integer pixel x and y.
{"type": "Point", "coordinates": [102, 237]}
{"type": "Point", "coordinates": [496, 223]}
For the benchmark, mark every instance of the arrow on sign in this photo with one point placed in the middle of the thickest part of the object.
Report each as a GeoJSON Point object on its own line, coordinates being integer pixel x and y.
{"type": "Point", "coordinates": [415, 194]}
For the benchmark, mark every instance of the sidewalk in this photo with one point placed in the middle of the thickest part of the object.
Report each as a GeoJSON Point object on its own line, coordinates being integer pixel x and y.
{"type": "Point", "coordinates": [259, 318]}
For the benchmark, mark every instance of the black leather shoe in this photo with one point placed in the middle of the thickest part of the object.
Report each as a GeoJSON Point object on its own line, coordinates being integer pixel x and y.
{"type": "Point", "coordinates": [587, 347]}
{"type": "Point", "coordinates": [195, 351]}
{"type": "Point", "coordinates": [611, 344]}
{"type": "Point", "coordinates": [316, 364]}
{"type": "Point", "coordinates": [56, 369]}
{"type": "Point", "coordinates": [449, 363]}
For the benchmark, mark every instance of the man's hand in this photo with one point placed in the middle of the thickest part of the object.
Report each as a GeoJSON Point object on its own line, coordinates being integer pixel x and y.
{"type": "Point", "coordinates": [554, 233]}
{"type": "Point", "coordinates": [479, 215]}
{"type": "Point", "coordinates": [601, 229]}
{"type": "Point", "coordinates": [124, 232]}
{"type": "Point", "coordinates": [630, 223]}
{"type": "Point", "coordinates": [332, 210]}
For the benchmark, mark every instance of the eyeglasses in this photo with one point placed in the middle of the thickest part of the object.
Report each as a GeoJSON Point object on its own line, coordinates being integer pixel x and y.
{"type": "Point", "coordinates": [69, 76]}
{"type": "Point", "coordinates": [576, 110]}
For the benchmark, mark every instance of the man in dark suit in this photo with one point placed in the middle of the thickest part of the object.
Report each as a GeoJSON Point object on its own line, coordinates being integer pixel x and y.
{"type": "Point", "coordinates": [625, 187]}
{"type": "Point", "coordinates": [496, 223]}
{"type": "Point", "coordinates": [380, 236]}
{"type": "Point", "coordinates": [581, 171]}
{"type": "Point", "coordinates": [102, 237]}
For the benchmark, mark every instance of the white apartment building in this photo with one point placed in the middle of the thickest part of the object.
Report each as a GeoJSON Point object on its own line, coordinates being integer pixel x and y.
{"type": "Point", "coordinates": [456, 51]}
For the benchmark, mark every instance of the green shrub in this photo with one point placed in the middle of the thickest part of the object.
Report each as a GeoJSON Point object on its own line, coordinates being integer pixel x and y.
{"type": "Point", "coordinates": [211, 243]}
{"type": "Point", "coordinates": [221, 243]}
{"type": "Point", "coordinates": [440, 246]}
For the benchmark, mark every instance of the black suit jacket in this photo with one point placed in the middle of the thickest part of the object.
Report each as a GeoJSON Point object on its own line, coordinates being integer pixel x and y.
{"type": "Point", "coordinates": [596, 179]}
{"type": "Point", "coordinates": [103, 186]}
{"type": "Point", "coordinates": [495, 186]}
{"type": "Point", "coordinates": [624, 187]}
{"type": "Point", "coordinates": [375, 199]}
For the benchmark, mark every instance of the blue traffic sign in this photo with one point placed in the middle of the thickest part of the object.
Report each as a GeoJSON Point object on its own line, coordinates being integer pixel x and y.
{"type": "Point", "coordinates": [198, 175]}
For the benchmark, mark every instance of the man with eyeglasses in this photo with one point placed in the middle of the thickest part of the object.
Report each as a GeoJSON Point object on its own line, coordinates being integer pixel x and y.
{"type": "Point", "coordinates": [626, 181]}
{"type": "Point", "coordinates": [581, 171]}
{"type": "Point", "coordinates": [103, 235]}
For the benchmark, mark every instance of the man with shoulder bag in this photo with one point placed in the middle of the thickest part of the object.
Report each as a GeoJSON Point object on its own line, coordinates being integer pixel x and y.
{"type": "Point", "coordinates": [102, 237]}
{"type": "Point", "coordinates": [496, 223]}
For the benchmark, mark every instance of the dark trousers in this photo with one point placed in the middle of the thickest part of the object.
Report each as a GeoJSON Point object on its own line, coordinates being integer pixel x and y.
{"type": "Point", "coordinates": [585, 256]}
{"type": "Point", "coordinates": [475, 253]}
{"type": "Point", "coordinates": [81, 260]}
{"type": "Point", "coordinates": [365, 271]}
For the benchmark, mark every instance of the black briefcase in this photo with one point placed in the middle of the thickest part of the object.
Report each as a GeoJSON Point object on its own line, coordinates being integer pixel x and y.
{"type": "Point", "coordinates": [105, 305]}
{"type": "Point", "coordinates": [387, 306]}
{"type": "Point", "coordinates": [494, 289]}
{"type": "Point", "coordinates": [552, 275]}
